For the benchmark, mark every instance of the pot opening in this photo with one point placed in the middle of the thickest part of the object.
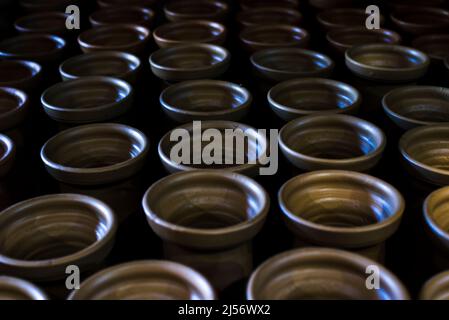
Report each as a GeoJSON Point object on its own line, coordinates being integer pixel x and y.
{"type": "Point", "coordinates": [103, 66]}
{"type": "Point", "coordinates": [191, 32]}
{"type": "Point", "coordinates": [32, 45]}
{"type": "Point", "coordinates": [113, 37]}
{"type": "Point", "coordinates": [10, 100]}
{"type": "Point", "coordinates": [190, 57]}
{"type": "Point", "coordinates": [291, 60]}
{"type": "Point", "coordinates": [12, 71]}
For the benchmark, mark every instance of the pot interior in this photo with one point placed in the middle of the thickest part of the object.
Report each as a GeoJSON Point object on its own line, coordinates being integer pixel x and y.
{"type": "Point", "coordinates": [10, 100]}
{"type": "Point", "coordinates": [189, 32]}
{"type": "Point", "coordinates": [189, 57]}
{"type": "Point", "coordinates": [43, 22]}
{"type": "Point", "coordinates": [390, 59]}
{"type": "Point", "coordinates": [122, 15]}
{"type": "Point", "coordinates": [344, 17]}
{"type": "Point", "coordinates": [113, 37]}
{"type": "Point", "coordinates": [13, 71]}
{"type": "Point", "coordinates": [30, 45]}
{"type": "Point", "coordinates": [352, 37]}
{"type": "Point", "coordinates": [270, 15]}
{"type": "Point", "coordinates": [273, 35]}
{"type": "Point", "coordinates": [103, 65]}
{"type": "Point", "coordinates": [198, 9]}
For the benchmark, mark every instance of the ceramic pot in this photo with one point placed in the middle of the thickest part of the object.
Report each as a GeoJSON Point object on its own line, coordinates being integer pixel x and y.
{"type": "Point", "coordinates": [332, 142]}
{"type": "Point", "coordinates": [177, 10]}
{"type": "Point", "coordinates": [126, 3]}
{"type": "Point", "coordinates": [18, 289]}
{"type": "Point", "coordinates": [420, 20]}
{"type": "Point", "coordinates": [253, 143]}
{"type": "Point", "coordinates": [306, 274]}
{"type": "Point", "coordinates": [47, 5]}
{"type": "Point", "coordinates": [7, 155]}
{"type": "Point", "coordinates": [300, 97]}
{"type": "Point", "coordinates": [191, 31]}
{"type": "Point", "coordinates": [269, 16]}
{"type": "Point", "coordinates": [330, 4]}
{"type": "Point", "coordinates": [115, 64]}
{"type": "Point", "coordinates": [13, 112]}
{"type": "Point", "coordinates": [53, 22]}
{"type": "Point", "coordinates": [20, 74]}
{"type": "Point", "coordinates": [343, 18]}
{"type": "Point", "coordinates": [122, 15]}
{"type": "Point", "coordinates": [8, 193]}
{"type": "Point", "coordinates": [205, 100]}
{"type": "Point", "coordinates": [207, 220]}
{"type": "Point", "coordinates": [149, 280]}
{"type": "Point", "coordinates": [436, 288]}
{"type": "Point", "coordinates": [399, 4]}
{"type": "Point", "coordinates": [249, 4]}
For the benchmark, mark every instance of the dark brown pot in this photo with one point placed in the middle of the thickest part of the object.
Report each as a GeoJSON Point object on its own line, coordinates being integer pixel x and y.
{"type": "Point", "coordinates": [307, 274]}
{"type": "Point", "coordinates": [330, 4]}
{"type": "Point", "coordinates": [128, 38]}
{"type": "Point", "coordinates": [47, 5]}
{"type": "Point", "coordinates": [268, 16]}
{"type": "Point", "coordinates": [249, 4]}
{"type": "Point", "coordinates": [436, 46]}
{"type": "Point", "coordinates": [44, 22]}
{"type": "Point", "coordinates": [150, 280]}
{"type": "Point", "coordinates": [122, 15]}
{"type": "Point", "coordinates": [214, 215]}
{"type": "Point", "coordinates": [410, 107]}
{"type": "Point", "coordinates": [332, 142]}
{"type": "Point", "coordinates": [88, 100]}
{"type": "Point", "coordinates": [205, 100]}
{"type": "Point", "coordinates": [261, 37]}
{"type": "Point", "coordinates": [20, 74]}
{"type": "Point", "coordinates": [13, 112]}
{"type": "Point", "coordinates": [192, 31]}
{"type": "Point", "coordinates": [115, 64]}
{"type": "Point", "coordinates": [18, 289]}
{"type": "Point", "coordinates": [343, 18]}
{"type": "Point", "coordinates": [421, 20]}
{"type": "Point", "coordinates": [300, 97]}
{"type": "Point", "coordinates": [126, 3]}
{"type": "Point", "coordinates": [190, 62]}
{"type": "Point", "coordinates": [342, 39]}
{"type": "Point", "coordinates": [399, 4]}
{"type": "Point", "coordinates": [436, 288]}
{"type": "Point", "coordinates": [176, 10]}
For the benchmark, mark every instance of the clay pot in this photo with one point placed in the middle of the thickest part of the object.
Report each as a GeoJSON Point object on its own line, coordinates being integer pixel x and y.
{"type": "Point", "coordinates": [435, 45]}
{"type": "Point", "coordinates": [7, 155]}
{"type": "Point", "coordinates": [47, 5]}
{"type": "Point", "coordinates": [207, 220]}
{"type": "Point", "coordinates": [20, 74]}
{"type": "Point", "coordinates": [424, 151]}
{"type": "Point", "coordinates": [115, 64]}
{"type": "Point", "coordinates": [177, 10]}
{"type": "Point", "coordinates": [436, 288]}
{"type": "Point", "coordinates": [250, 4]}
{"type": "Point", "coordinates": [421, 20]}
{"type": "Point", "coordinates": [40, 237]}
{"type": "Point", "coordinates": [46, 22]}
{"type": "Point", "coordinates": [191, 31]}
{"type": "Point", "coordinates": [8, 190]}
{"type": "Point", "coordinates": [126, 3]}
{"type": "Point", "coordinates": [205, 100]}
{"type": "Point", "coordinates": [332, 142]}
{"type": "Point", "coordinates": [343, 18]}
{"type": "Point", "coordinates": [321, 274]}
{"type": "Point", "coordinates": [122, 15]}
{"type": "Point", "coordinates": [400, 4]}
{"type": "Point", "coordinates": [127, 37]}
{"type": "Point", "coordinates": [342, 39]}
{"type": "Point", "coordinates": [300, 97]}
{"type": "Point", "coordinates": [268, 16]}
{"type": "Point", "coordinates": [330, 4]}
{"type": "Point", "coordinates": [261, 37]}
{"type": "Point", "coordinates": [88, 100]}
{"type": "Point", "coordinates": [255, 149]}
{"type": "Point", "coordinates": [190, 62]}
{"type": "Point", "coordinates": [410, 107]}
{"type": "Point", "coordinates": [149, 280]}
{"type": "Point", "coordinates": [13, 111]}
{"type": "Point", "coordinates": [18, 289]}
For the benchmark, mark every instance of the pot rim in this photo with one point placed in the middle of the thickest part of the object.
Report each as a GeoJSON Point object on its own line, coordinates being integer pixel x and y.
{"type": "Point", "coordinates": [60, 45]}
{"type": "Point", "coordinates": [222, 6]}
{"type": "Point", "coordinates": [100, 208]}
{"type": "Point", "coordinates": [236, 178]}
{"type": "Point", "coordinates": [34, 67]}
{"type": "Point", "coordinates": [138, 29]}
{"type": "Point", "coordinates": [213, 124]}
{"type": "Point", "coordinates": [66, 115]}
{"type": "Point", "coordinates": [355, 261]}
{"type": "Point", "coordinates": [280, 27]}
{"type": "Point", "coordinates": [12, 117]}
{"type": "Point", "coordinates": [104, 172]}
{"type": "Point", "coordinates": [18, 24]}
{"type": "Point", "coordinates": [330, 36]}
{"type": "Point", "coordinates": [357, 176]}
{"type": "Point", "coordinates": [147, 12]}
{"type": "Point", "coordinates": [400, 91]}
{"type": "Point", "coordinates": [131, 59]}
{"type": "Point", "coordinates": [186, 85]}
{"type": "Point", "coordinates": [23, 287]}
{"type": "Point", "coordinates": [190, 276]}
{"type": "Point", "coordinates": [344, 119]}
{"type": "Point", "coordinates": [9, 155]}
{"type": "Point", "coordinates": [108, 4]}
{"type": "Point", "coordinates": [329, 63]}
{"type": "Point", "coordinates": [443, 195]}
{"type": "Point", "coordinates": [158, 33]}
{"type": "Point", "coordinates": [319, 81]}
{"type": "Point", "coordinates": [422, 40]}
{"type": "Point", "coordinates": [432, 288]}
{"type": "Point", "coordinates": [403, 23]}
{"type": "Point", "coordinates": [322, 16]}
{"type": "Point", "coordinates": [245, 5]}
{"type": "Point", "coordinates": [292, 12]}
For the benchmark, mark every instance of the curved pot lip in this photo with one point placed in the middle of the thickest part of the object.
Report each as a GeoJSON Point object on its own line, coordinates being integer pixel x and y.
{"type": "Point", "coordinates": [409, 135]}
{"type": "Point", "coordinates": [322, 16]}
{"type": "Point", "coordinates": [319, 81]}
{"type": "Point", "coordinates": [345, 119]}
{"type": "Point", "coordinates": [432, 287]}
{"type": "Point", "coordinates": [219, 174]}
{"type": "Point", "coordinates": [403, 90]}
{"type": "Point", "coordinates": [355, 260]}
{"type": "Point", "coordinates": [186, 85]}
{"type": "Point", "coordinates": [361, 177]}
{"type": "Point", "coordinates": [145, 32]}
{"type": "Point", "coordinates": [108, 3]}
{"type": "Point", "coordinates": [18, 24]}
{"type": "Point", "coordinates": [329, 63]}
{"type": "Point", "coordinates": [214, 124]}
{"type": "Point", "coordinates": [280, 27]}
{"type": "Point", "coordinates": [365, 70]}
{"type": "Point", "coordinates": [24, 287]}
{"type": "Point", "coordinates": [245, 5]}
{"type": "Point", "coordinates": [99, 55]}
{"type": "Point", "coordinates": [100, 207]}
{"type": "Point", "coordinates": [65, 114]}
{"type": "Point", "coordinates": [331, 35]}
{"type": "Point", "coordinates": [34, 67]}
{"type": "Point", "coordinates": [292, 12]}
{"type": "Point", "coordinates": [36, 6]}
{"type": "Point", "coordinates": [211, 48]}
{"type": "Point", "coordinates": [442, 192]}
{"type": "Point", "coordinates": [9, 154]}
{"type": "Point", "coordinates": [158, 33]}
{"type": "Point", "coordinates": [421, 41]}
{"type": "Point", "coordinates": [170, 12]}
{"type": "Point", "coordinates": [60, 44]}
{"type": "Point", "coordinates": [111, 169]}
{"type": "Point", "coordinates": [436, 10]}
{"type": "Point", "coordinates": [190, 276]}
{"type": "Point", "coordinates": [11, 117]}
{"type": "Point", "coordinates": [149, 15]}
